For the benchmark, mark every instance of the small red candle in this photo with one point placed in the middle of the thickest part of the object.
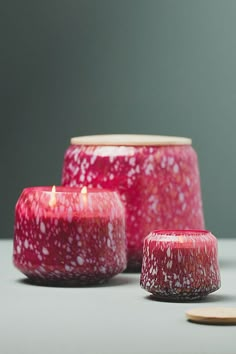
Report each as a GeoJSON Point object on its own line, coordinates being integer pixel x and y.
{"type": "Point", "coordinates": [69, 235]}
{"type": "Point", "coordinates": [180, 265]}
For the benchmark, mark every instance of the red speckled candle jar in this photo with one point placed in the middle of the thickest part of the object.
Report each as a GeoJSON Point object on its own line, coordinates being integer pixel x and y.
{"type": "Point", "coordinates": [65, 236]}
{"type": "Point", "coordinates": [157, 178]}
{"type": "Point", "coordinates": [180, 265]}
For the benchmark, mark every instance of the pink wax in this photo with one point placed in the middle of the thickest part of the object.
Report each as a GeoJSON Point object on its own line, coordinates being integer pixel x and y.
{"type": "Point", "coordinates": [180, 265]}
{"type": "Point", "coordinates": [157, 178]}
{"type": "Point", "coordinates": [67, 236]}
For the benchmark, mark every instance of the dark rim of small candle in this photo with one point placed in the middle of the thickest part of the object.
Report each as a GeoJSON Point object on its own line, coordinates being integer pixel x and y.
{"type": "Point", "coordinates": [61, 189]}
{"type": "Point", "coordinates": [181, 232]}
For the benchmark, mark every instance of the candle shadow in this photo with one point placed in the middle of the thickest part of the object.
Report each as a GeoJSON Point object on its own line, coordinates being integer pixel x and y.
{"type": "Point", "coordinates": [116, 281]}
{"type": "Point", "coordinates": [132, 271]}
{"type": "Point", "coordinates": [208, 299]}
{"type": "Point", "coordinates": [212, 324]}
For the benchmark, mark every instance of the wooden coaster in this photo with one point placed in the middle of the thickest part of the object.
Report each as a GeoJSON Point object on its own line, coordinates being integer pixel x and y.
{"type": "Point", "coordinates": [130, 140]}
{"type": "Point", "coordinates": [212, 315]}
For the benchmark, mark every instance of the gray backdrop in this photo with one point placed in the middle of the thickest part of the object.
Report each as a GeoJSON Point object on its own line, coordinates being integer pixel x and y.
{"type": "Point", "coordinates": [84, 67]}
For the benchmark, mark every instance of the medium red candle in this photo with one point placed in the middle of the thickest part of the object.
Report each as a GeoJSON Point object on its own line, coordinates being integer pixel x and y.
{"type": "Point", "coordinates": [66, 235]}
{"type": "Point", "coordinates": [180, 265]}
{"type": "Point", "coordinates": [156, 176]}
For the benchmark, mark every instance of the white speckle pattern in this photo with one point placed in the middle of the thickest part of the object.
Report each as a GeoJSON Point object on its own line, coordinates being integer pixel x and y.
{"type": "Point", "coordinates": [70, 214]}
{"type": "Point", "coordinates": [168, 252]}
{"type": "Point", "coordinates": [80, 260]}
{"type": "Point", "coordinates": [42, 227]}
{"type": "Point", "coordinates": [82, 178]}
{"type": "Point", "coordinates": [45, 251]}
{"type": "Point", "coordinates": [68, 268]}
{"type": "Point", "coordinates": [176, 168]}
{"type": "Point", "coordinates": [102, 269]}
{"type": "Point", "coordinates": [132, 161]}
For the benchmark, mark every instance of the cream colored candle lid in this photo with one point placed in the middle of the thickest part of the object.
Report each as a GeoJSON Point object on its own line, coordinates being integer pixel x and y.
{"type": "Point", "coordinates": [130, 140]}
{"type": "Point", "coordinates": [212, 315]}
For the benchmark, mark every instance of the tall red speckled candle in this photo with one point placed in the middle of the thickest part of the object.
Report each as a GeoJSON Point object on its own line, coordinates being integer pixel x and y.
{"type": "Point", "coordinates": [67, 236]}
{"type": "Point", "coordinates": [180, 265]}
{"type": "Point", "coordinates": [157, 178]}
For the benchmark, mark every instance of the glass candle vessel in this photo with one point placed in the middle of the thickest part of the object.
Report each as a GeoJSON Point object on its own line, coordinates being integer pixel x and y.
{"type": "Point", "coordinates": [157, 178]}
{"type": "Point", "coordinates": [180, 265]}
{"type": "Point", "coordinates": [68, 235]}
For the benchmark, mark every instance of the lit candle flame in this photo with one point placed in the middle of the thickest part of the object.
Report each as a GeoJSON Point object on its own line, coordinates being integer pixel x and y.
{"type": "Point", "coordinates": [53, 201]}
{"type": "Point", "coordinates": [85, 196]}
{"type": "Point", "coordinates": [84, 190]}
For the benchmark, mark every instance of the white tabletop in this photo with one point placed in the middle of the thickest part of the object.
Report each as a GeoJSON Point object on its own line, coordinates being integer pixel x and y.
{"type": "Point", "coordinates": [119, 317]}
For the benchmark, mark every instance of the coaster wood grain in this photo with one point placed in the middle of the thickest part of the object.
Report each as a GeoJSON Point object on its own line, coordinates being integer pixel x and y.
{"type": "Point", "coordinates": [213, 315]}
